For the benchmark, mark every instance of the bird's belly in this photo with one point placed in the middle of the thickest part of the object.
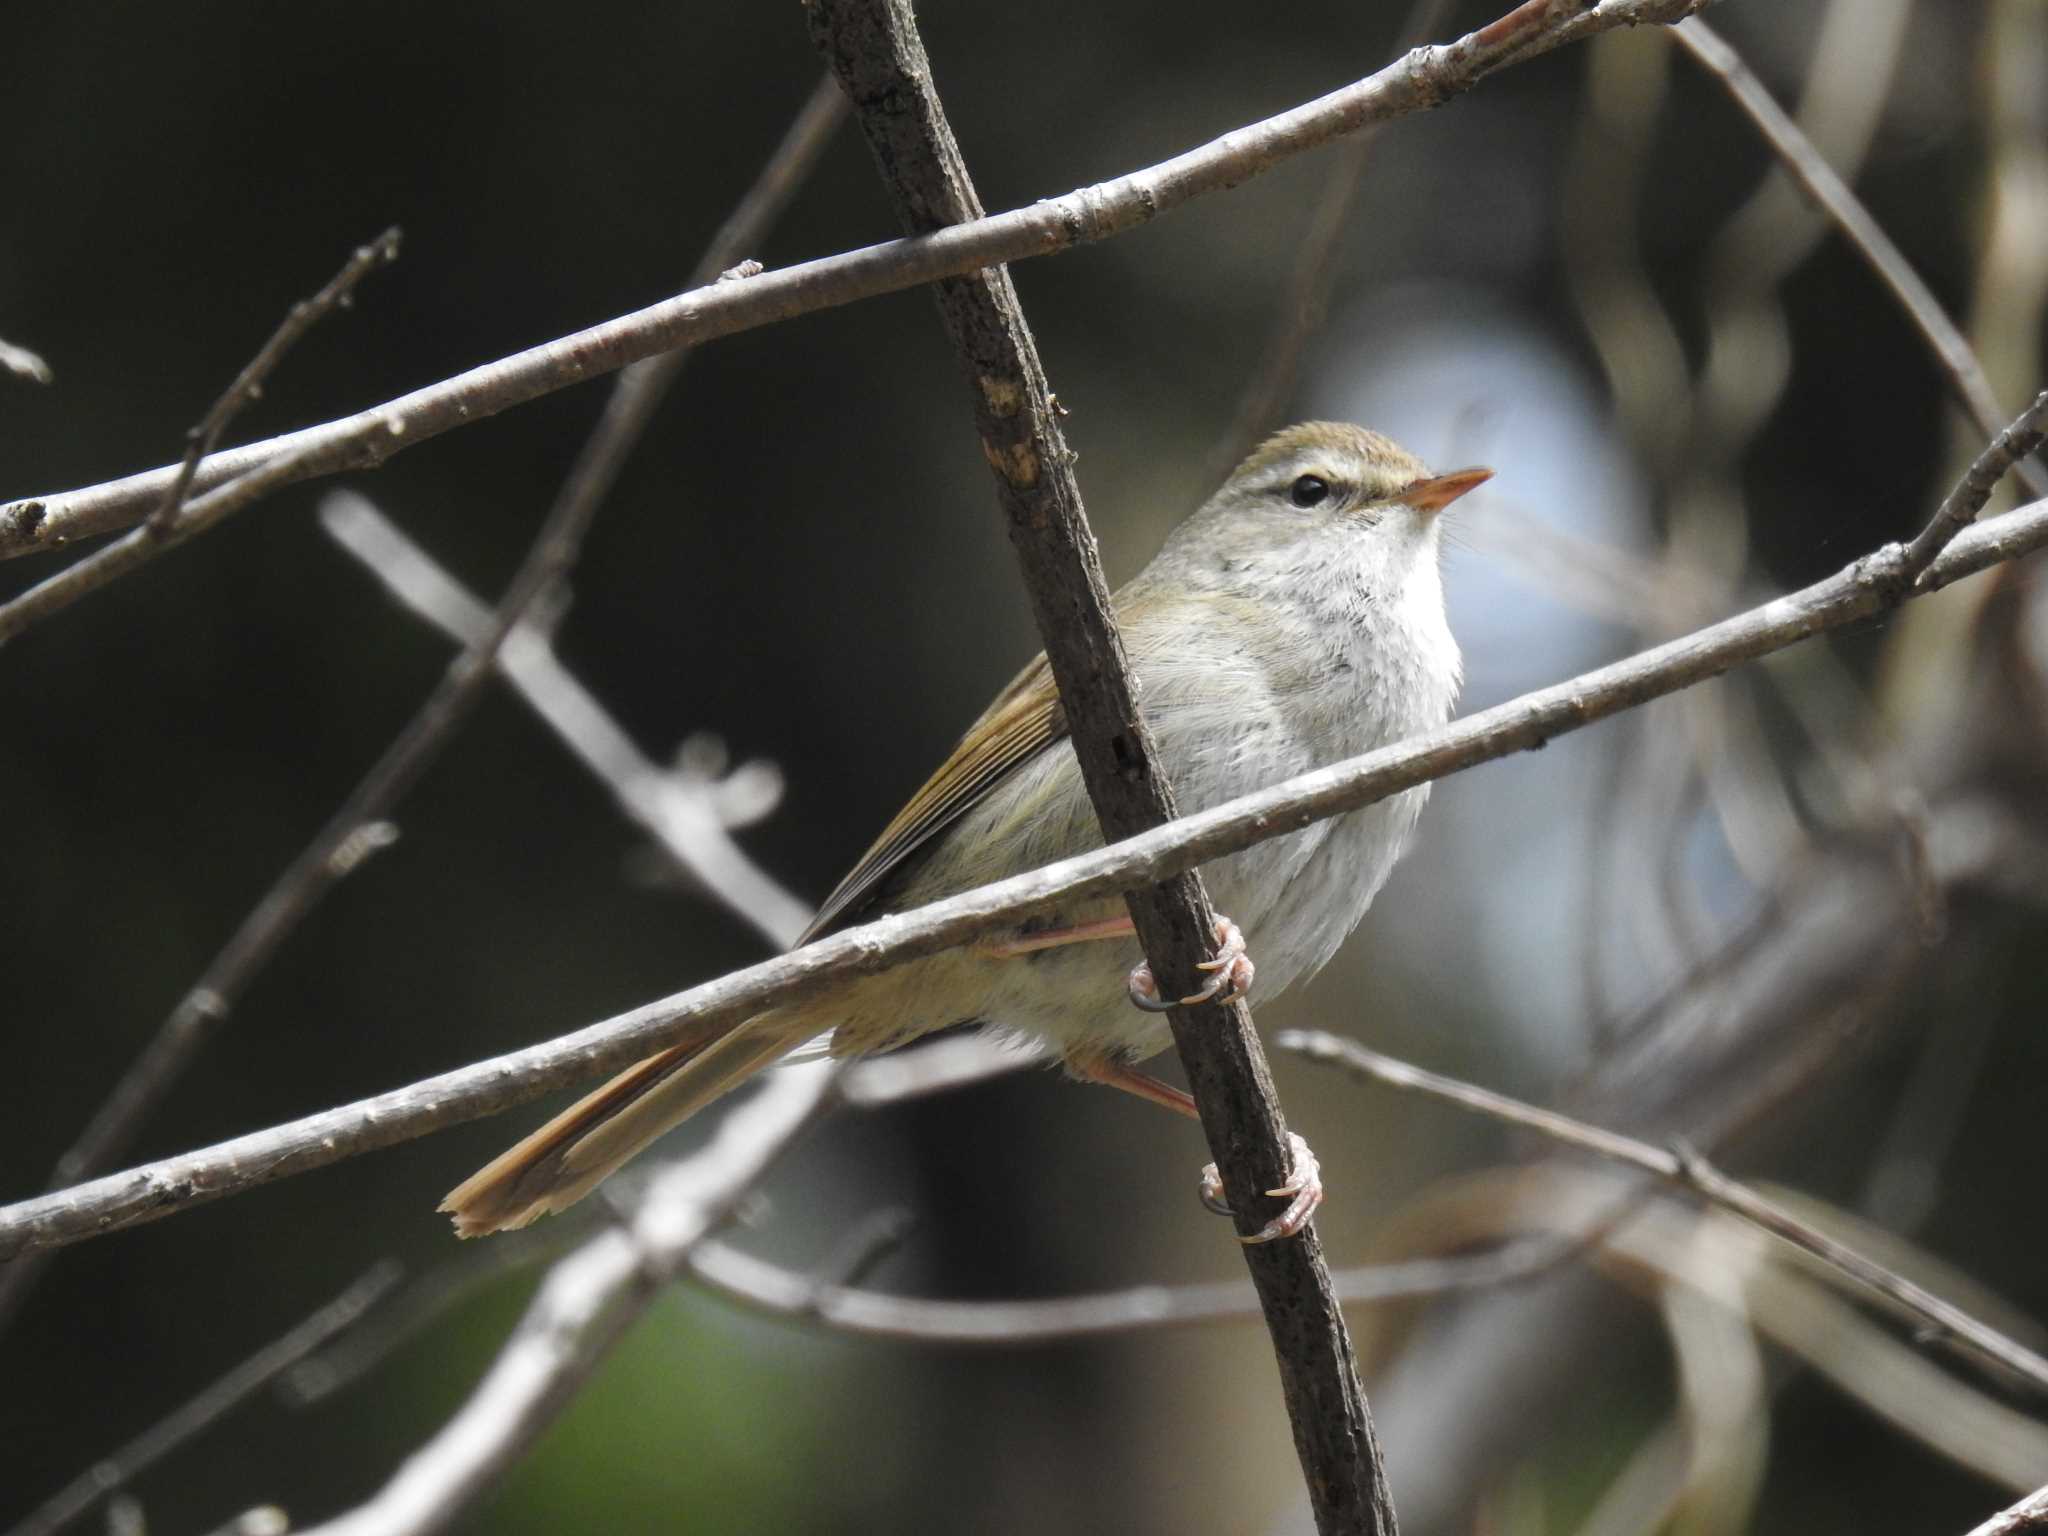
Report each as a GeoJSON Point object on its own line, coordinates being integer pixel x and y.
{"type": "Point", "coordinates": [1296, 897]}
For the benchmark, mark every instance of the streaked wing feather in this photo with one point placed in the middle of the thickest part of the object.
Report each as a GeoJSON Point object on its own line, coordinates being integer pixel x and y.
{"type": "Point", "coordinates": [1025, 719]}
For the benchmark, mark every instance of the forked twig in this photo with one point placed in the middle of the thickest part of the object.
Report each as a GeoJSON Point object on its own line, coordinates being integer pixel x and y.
{"type": "Point", "coordinates": [203, 438]}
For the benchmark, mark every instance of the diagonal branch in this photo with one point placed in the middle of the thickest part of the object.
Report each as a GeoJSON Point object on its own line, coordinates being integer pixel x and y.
{"type": "Point", "coordinates": [1425, 78]}
{"type": "Point", "coordinates": [248, 384]}
{"type": "Point", "coordinates": [1833, 196]}
{"type": "Point", "coordinates": [171, 521]}
{"type": "Point", "coordinates": [1687, 1169]}
{"type": "Point", "coordinates": [875, 49]}
{"type": "Point", "coordinates": [1861, 591]}
{"type": "Point", "coordinates": [121, 1467]}
{"type": "Point", "coordinates": [335, 850]}
{"type": "Point", "coordinates": [584, 1306]}
{"type": "Point", "coordinates": [2029, 1515]}
{"type": "Point", "coordinates": [680, 813]}
{"type": "Point", "coordinates": [1961, 506]}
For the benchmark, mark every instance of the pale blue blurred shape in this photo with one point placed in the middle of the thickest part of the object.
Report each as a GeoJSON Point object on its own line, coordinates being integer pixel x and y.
{"type": "Point", "coordinates": [1495, 890]}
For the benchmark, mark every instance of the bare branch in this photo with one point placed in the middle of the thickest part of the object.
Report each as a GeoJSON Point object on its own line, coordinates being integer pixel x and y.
{"type": "Point", "coordinates": [1962, 504]}
{"type": "Point", "coordinates": [1689, 1170]}
{"type": "Point", "coordinates": [831, 1297]}
{"type": "Point", "coordinates": [586, 1303]}
{"type": "Point", "coordinates": [424, 1299]}
{"type": "Point", "coordinates": [146, 543]}
{"type": "Point", "coordinates": [875, 49]}
{"type": "Point", "coordinates": [1861, 591]}
{"type": "Point", "coordinates": [590, 1299]}
{"type": "Point", "coordinates": [678, 811]}
{"type": "Point", "coordinates": [172, 522]}
{"type": "Point", "coordinates": [1426, 78]}
{"type": "Point", "coordinates": [248, 385]}
{"type": "Point", "coordinates": [780, 1292]}
{"type": "Point", "coordinates": [868, 1083]}
{"type": "Point", "coordinates": [123, 1466]}
{"type": "Point", "coordinates": [334, 851]}
{"type": "Point", "coordinates": [1834, 197]}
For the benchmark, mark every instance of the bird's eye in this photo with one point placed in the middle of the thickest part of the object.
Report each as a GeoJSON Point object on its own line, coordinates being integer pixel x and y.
{"type": "Point", "coordinates": [1308, 491]}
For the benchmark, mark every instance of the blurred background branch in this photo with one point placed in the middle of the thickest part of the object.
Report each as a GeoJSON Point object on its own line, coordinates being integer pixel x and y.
{"type": "Point", "coordinates": [329, 858]}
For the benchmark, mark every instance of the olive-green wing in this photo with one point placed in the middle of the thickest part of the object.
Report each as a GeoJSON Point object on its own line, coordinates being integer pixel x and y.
{"type": "Point", "coordinates": [1025, 719]}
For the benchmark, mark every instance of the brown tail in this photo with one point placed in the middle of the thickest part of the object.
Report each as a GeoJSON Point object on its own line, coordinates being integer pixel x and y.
{"type": "Point", "coordinates": [577, 1150]}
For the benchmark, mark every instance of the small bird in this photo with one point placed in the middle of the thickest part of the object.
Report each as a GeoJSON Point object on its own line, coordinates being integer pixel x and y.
{"type": "Point", "coordinates": [1295, 619]}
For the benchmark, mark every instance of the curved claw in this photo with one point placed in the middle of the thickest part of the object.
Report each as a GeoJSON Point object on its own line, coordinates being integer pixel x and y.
{"type": "Point", "coordinates": [1303, 1192]}
{"type": "Point", "coordinates": [1230, 979]}
{"type": "Point", "coordinates": [1143, 991]}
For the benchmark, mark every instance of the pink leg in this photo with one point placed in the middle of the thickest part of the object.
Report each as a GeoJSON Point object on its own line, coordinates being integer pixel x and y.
{"type": "Point", "coordinates": [1303, 1190]}
{"type": "Point", "coordinates": [1114, 1074]}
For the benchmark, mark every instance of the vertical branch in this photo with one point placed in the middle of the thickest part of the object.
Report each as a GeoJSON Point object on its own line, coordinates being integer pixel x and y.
{"type": "Point", "coordinates": [874, 48]}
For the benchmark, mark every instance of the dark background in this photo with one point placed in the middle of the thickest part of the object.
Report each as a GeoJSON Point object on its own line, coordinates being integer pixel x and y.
{"type": "Point", "coordinates": [804, 558]}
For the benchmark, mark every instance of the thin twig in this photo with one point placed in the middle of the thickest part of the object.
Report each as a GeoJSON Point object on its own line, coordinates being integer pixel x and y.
{"type": "Point", "coordinates": [325, 861]}
{"type": "Point", "coordinates": [584, 1306]}
{"type": "Point", "coordinates": [209, 1407]}
{"type": "Point", "coordinates": [423, 1300]}
{"type": "Point", "coordinates": [248, 385]}
{"type": "Point", "coordinates": [590, 1299]}
{"type": "Point", "coordinates": [769, 1288]}
{"type": "Point", "coordinates": [869, 1083]}
{"type": "Point", "coordinates": [24, 364]}
{"type": "Point", "coordinates": [1426, 78]}
{"type": "Point", "coordinates": [643, 385]}
{"type": "Point", "coordinates": [678, 811]}
{"type": "Point", "coordinates": [874, 48]}
{"type": "Point", "coordinates": [943, 1063]}
{"type": "Point", "coordinates": [1859, 592]}
{"type": "Point", "coordinates": [1961, 506]}
{"type": "Point", "coordinates": [831, 1297]}
{"type": "Point", "coordinates": [96, 570]}
{"type": "Point", "coordinates": [1937, 1319]}
{"type": "Point", "coordinates": [1834, 198]}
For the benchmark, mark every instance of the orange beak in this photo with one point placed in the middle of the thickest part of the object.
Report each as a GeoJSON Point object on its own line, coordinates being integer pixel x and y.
{"type": "Point", "coordinates": [1439, 491]}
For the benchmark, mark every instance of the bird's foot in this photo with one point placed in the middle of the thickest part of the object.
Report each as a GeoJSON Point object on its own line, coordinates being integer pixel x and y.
{"type": "Point", "coordinates": [1230, 975]}
{"type": "Point", "coordinates": [1303, 1192]}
